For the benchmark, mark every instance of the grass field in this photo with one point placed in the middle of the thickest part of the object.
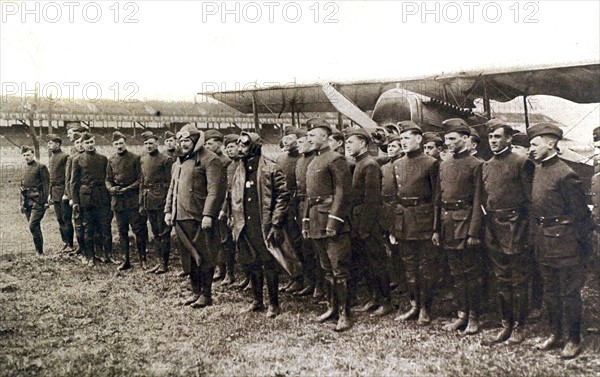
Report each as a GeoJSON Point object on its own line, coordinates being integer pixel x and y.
{"type": "Point", "coordinates": [60, 318]}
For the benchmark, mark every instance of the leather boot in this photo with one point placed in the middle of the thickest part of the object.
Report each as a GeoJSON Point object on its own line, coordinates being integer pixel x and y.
{"type": "Point", "coordinates": [424, 318]}
{"type": "Point", "coordinates": [245, 281]}
{"type": "Point", "coordinates": [553, 341]}
{"type": "Point", "coordinates": [504, 334]}
{"type": "Point", "coordinates": [229, 278]}
{"type": "Point", "coordinates": [412, 313]}
{"type": "Point", "coordinates": [124, 245]}
{"type": "Point", "coordinates": [219, 273]}
{"type": "Point", "coordinates": [287, 286]}
{"type": "Point", "coordinates": [153, 269]}
{"type": "Point", "coordinates": [458, 323]}
{"type": "Point", "coordinates": [332, 304]}
{"type": "Point", "coordinates": [345, 321]}
{"type": "Point", "coordinates": [472, 325]}
{"type": "Point", "coordinates": [206, 298]}
{"type": "Point", "coordinates": [518, 335]}
{"type": "Point", "coordinates": [272, 279]}
{"type": "Point", "coordinates": [141, 244]}
{"type": "Point", "coordinates": [571, 350]}
{"type": "Point", "coordinates": [296, 286]}
{"type": "Point", "coordinates": [319, 290]}
{"type": "Point", "coordinates": [370, 305]}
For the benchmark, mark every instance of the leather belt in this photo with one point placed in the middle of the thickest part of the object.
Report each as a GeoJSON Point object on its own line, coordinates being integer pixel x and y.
{"type": "Point", "coordinates": [455, 205]}
{"type": "Point", "coordinates": [413, 201]}
{"type": "Point", "coordinates": [547, 221]}
{"type": "Point", "coordinates": [325, 199]}
{"type": "Point", "coordinates": [150, 185]}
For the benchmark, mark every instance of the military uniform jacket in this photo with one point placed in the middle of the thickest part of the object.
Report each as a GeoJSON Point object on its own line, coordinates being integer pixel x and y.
{"type": "Point", "coordinates": [198, 184]}
{"type": "Point", "coordinates": [173, 153]}
{"type": "Point", "coordinates": [36, 183]}
{"type": "Point", "coordinates": [69, 171]}
{"type": "Point", "coordinates": [416, 176]}
{"type": "Point", "coordinates": [124, 170]}
{"type": "Point", "coordinates": [460, 187]}
{"type": "Point", "coordinates": [154, 180]}
{"type": "Point", "coordinates": [329, 194]}
{"type": "Point", "coordinates": [366, 187]}
{"type": "Point", "coordinates": [273, 197]}
{"type": "Point", "coordinates": [300, 173]}
{"type": "Point", "coordinates": [231, 168]}
{"type": "Point", "coordinates": [560, 213]}
{"type": "Point", "coordinates": [388, 194]}
{"type": "Point", "coordinates": [57, 167]}
{"type": "Point", "coordinates": [88, 185]}
{"type": "Point", "coordinates": [507, 179]}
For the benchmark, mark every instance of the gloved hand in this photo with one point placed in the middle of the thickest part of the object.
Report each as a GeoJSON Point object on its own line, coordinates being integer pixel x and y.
{"type": "Point", "coordinates": [76, 211]}
{"type": "Point", "coordinates": [275, 236]}
{"type": "Point", "coordinates": [169, 219]}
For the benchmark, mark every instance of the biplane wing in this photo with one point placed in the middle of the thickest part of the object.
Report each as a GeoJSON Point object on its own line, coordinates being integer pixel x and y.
{"type": "Point", "coordinates": [578, 83]}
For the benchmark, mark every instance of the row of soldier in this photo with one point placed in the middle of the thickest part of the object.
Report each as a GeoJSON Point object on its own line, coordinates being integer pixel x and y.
{"type": "Point", "coordinates": [330, 207]}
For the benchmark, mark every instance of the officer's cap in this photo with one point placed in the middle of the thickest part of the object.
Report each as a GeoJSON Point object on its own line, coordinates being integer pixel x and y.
{"type": "Point", "coordinates": [54, 137]}
{"type": "Point", "coordinates": [596, 134]}
{"type": "Point", "coordinates": [149, 135]}
{"type": "Point", "coordinates": [26, 148]}
{"type": "Point", "coordinates": [118, 136]}
{"type": "Point", "coordinates": [213, 134]}
{"type": "Point", "coordinates": [544, 129]}
{"type": "Point", "coordinates": [87, 136]}
{"type": "Point", "coordinates": [493, 124]}
{"type": "Point", "coordinates": [291, 130]}
{"type": "Point", "coordinates": [313, 123]}
{"type": "Point", "coordinates": [391, 138]}
{"type": "Point", "coordinates": [409, 125]}
{"type": "Point", "coordinates": [457, 125]}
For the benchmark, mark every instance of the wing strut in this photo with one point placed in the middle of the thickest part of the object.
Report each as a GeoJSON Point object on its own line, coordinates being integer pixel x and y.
{"type": "Point", "coordinates": [255, 111]}
{"type": "Point", "coordinates": [525, 111]}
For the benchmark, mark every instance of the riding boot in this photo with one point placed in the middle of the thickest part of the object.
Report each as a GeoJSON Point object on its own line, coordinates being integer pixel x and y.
{"type": "Point", "coordinates": [332, 303]}
{"type": "Point", "coordinates": [272, 279]}
{"type": "Point", "coordinates": [206, 296]}
{"type": "Point", "coordinates": [141, 244]}
{"type": "Point", "coordinates": [345, 321]}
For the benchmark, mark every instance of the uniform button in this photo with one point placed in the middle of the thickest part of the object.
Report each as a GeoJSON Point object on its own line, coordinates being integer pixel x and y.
{"type": "Point", "coordinates": [248, 217]}
{"type": "Point", "coordinates": [249, 199]}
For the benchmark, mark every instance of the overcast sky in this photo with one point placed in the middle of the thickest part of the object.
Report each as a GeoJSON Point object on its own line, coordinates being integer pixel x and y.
{"type": "Point", "coordinates": [172, 50]}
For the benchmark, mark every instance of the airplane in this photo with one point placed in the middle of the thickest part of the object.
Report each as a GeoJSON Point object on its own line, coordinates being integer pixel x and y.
{"type": "Point", "coordinates": [378, 105]}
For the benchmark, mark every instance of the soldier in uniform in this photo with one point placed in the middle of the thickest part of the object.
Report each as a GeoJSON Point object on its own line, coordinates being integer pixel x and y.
{"type": "Point", "coordinates": [214, 143]}
{"type": "Point", "coordinates": [91, 200]}
{"type": "Point", "coordinates": [195, 196]}
{"type": "Point", "coordinates": [507, 179]}
{"type": "Point", "coordinates": [287, 163]}
{"type": "Point", "coordinates": [561, 236]}
{"type": "Point", "coordinates": [171, 148]}
{"type": "Point", "coordinates": [368, 255]}
{"type": "Point", "coordinates": [474, 140]}
{"type": "Point", "coordinates": [336, 142]}
{"type": "Point", "coordinates": [416, 176]}
{"type": "Point", "coordinates": [155, 176]}
{"type": "Point", "coordinates": [123, 183]}
{"type": "Point", "coordinates": [259, 201]}
{"type": "Point", "coordinates": [35, 187]}
{"type": "Point", "coordinates": [328, 191]}
{"type": "Point", "coordinates": [458, 222]}
{"type": "Point", "coordinates": [62, 209]}
{"type": "Point", "coordinates": [78, 149]}
{"type": "Point", "coordinates": [433, 145]}
{"type": "Point", "coordinates": [313, 273]}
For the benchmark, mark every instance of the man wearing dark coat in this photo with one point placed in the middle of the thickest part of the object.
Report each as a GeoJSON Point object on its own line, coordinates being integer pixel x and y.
{"type": "Point", "coordinates": [75, 134]}
{"type": "Point", "coordinates": [214, 143]}
{"type": "Point", "coordinates": [91, 200]}
{"type": "Point", "coordinates": [416, 176]}
{"type": "Point", "coordinates": [259, 201]}
{"type": "Point", "coordinates": [369, 259]}
{"type": "Point", "coordinates": [562, 226]}
{"type": "Point", "coordinates": [171, 148]}
{"type": "Point", "coordinates": [35, 187]}
{"type": "Point", "coordinates": [458, 223]}
{"type": "Point", "coordinates": [123, 183]}
{"type": "Point", "coordinates": [195, 196]}
{"type": "Point", "coordinates": [507, 180]}
{"type": "Point", "coordinates": [327, 217]}
{"type": "Point", "coordinates": [287, 163]}
{"type": "Point", "coordinates": [155, 177]}
{"type": "Point", "coordinates": [62, 209]}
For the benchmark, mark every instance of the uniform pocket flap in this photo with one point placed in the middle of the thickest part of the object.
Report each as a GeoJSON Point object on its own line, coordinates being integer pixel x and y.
{"type": "Point", "coordinates": [559, 230]}
{"type": "Point", "coordinates": [461, 214]}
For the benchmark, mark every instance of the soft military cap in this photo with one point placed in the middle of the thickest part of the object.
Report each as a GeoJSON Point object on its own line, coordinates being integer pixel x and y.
{"type": "Point", "coordinates": [26, 148]}
{"type": "Point", "coordinates": [391, 138]}
{"type": "Point", "coordinates": [521, 140]}
{"type": "Point", "coordinates": [168, 135]}
{"type": "Point", "coordinates": [409, 125]}
{"type": "Point", "coordinates": [360, 132]}
{"type": "Point", "coordinates": [457, 125]}
{"type": "Point", "coordinates": [189, 131]}
{"type": "Point", "coordinates": [87, 136]}
{"type": "Point", "coordinates": [149, 135]}
{"type": "Point", "coordinates": [429, 137]}
{"type": "Point", "coordinates": [117, 136]}
{"type": "Point", "coordinates": [213, 134]}
{"type": "Point", "coordinates": [313, 123]}
{"type": "Point", "coordinates": [475, 134]}
{"type": "Point", "coordinates": [544, 129]}
{"type": "Point", "coordinates": [230, 138]}
{"type": "Point", "coordinates": [54, 137]}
